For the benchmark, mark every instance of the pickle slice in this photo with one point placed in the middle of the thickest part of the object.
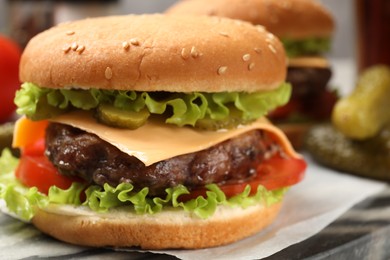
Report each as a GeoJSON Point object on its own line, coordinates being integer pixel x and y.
{"type": "Point", "coordinates": [367, 110]}
{"type": "Point", "coordinates": [116, 117]}
{"type": "Point", "coordinates": [6, 134]}
{"type": "Point", "coordinates": [233, 120]}
{"type": "Point", "coordinates": [368, 158]}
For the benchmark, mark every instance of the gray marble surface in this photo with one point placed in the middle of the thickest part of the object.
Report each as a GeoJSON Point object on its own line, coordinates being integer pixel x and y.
{"type": "Point", "coordinates": [363, 232]}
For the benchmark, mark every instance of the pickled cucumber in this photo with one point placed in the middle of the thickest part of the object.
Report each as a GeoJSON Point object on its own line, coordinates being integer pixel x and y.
{"type": "Point", "coordinates": [6, 133]}
{"type": "Point", "coordinates": [44, 110]}
{"type": "Point", "coordinates": [234, 119]}
{"type": "Point", "coordinates": [116, 117]}
{"type": "Point", "coordinates": [368, 158]}
{"type": "Point", "coordinates": [367, 110]}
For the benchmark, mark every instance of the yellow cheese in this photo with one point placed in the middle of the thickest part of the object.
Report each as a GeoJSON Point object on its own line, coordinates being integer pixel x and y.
{"type": "Point", "coordinates": [155, 142]}
{"type": "Point", "coordinates": [308, 61]}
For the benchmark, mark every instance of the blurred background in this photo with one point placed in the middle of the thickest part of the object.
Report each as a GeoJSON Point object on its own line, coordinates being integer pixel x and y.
{"type": "Point", "coordinates": [18, 18]}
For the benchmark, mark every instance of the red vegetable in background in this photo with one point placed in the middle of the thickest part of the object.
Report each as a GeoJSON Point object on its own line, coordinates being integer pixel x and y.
{"type": "Point", "coordinates": [10, 54]}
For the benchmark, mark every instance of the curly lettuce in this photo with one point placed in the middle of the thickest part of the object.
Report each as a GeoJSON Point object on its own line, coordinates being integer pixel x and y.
{"type": "Point", "coordinates": [309, 46]}
{"type": "Point", "coordinates": [23, 201]}
{"type": "Point", "coordinates": [177, 108]}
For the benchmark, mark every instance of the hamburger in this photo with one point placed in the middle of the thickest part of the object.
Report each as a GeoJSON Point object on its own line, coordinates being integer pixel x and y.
{"type": "Point", "coordinates": [305, 28]}
{"type": "Point", "coordinates": [148, 131]}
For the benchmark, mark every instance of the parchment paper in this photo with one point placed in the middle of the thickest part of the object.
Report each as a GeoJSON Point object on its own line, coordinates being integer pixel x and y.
{"type": "Point", "coordinates": [309, 207]}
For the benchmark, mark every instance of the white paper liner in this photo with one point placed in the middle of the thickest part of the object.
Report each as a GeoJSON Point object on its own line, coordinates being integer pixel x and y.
{"type": "Point", "coordinates": [310, 206]}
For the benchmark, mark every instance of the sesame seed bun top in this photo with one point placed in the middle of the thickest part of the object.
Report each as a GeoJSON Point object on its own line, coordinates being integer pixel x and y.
{"type": "Point", "coordinates": [293, 19]}
{"type": "Point", "coordinates": [155, 53]}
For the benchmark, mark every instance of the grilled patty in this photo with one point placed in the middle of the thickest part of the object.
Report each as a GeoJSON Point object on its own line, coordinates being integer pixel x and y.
{"type": "Point", "coordinates": [77, 153]}
{"type": "Point", "coordinates": [308, 82]}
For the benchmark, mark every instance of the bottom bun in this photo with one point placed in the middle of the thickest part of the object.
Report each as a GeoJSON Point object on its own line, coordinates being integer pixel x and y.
{"type": "Point", "coordinates": [295, 132]}
{"type": "Point", "coordinates": [167, 229]}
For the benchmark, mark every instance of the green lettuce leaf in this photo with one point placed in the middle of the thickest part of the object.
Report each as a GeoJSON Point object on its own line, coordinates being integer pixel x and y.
{"type": "Point", "coordinates": [19, 200]}
{"type": "Point", "coordinates": [177, 108]}
{"type": "Point", "coordinates": [306, 46]}
{"type": "Point", "coordinates": [23, 201]}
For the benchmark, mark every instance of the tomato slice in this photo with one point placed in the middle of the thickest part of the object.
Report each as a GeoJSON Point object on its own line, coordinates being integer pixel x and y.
{"type": "Point", "coordinates": [279, 172]}
{"type": "Point", "coordinates": [274, 173]}
{"type": "Point", "coordinates": [35, 170]}
{"type": "Point", "coordinates": [285, 111]}
{"type": "Point", "coordinates": [38, 171]}
{"type": "Point", "coordinates": [35, 149]}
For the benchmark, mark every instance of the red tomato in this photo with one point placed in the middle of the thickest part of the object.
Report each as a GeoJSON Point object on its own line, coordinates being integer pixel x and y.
{"type": "Point", "coordinates": [9, 76]}
{"type": "Point", "coordinates": [285, 111]}
{"type": "Point", "coordinates": [274, 173]}
{"type": "Point", "coordinates": [279, 172]}
{"type": "Point", "coordinates": [35, 170]}
{"type": "Point", "coordinates": [35, 149]}
{"type": "Point", "coordinates": [38, 171]}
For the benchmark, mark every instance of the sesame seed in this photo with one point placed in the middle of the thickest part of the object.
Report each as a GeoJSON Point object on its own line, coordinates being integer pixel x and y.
{"type": "Point", "coordinates": [66, 49]}
{"type": "Point", "coordinates": [258, 50]}
{"type": "Point", "coordinates": [268, 40]}
{"type": "Point", "coordinates": [69, 32]}
{"type": "Point", "coordinates": [74, 46]}
{"type": "Point", "coordinates": [222, 70]}
{"type": "Point", "coordinates": [80, 49]}
{"type": "Point", "coordinates": [224, 34]}
{"type": "Point", "coordinates": [260, 28]}
{"type": "Point", "coordinates": [125, 45]}
{"type": "Point", "coordinates": [270, 36]}
{"type": "Point", "coordinates": [108, 73]}
{"type": "Point", "coordinates": [272, 48]}
{"type": "Point", "coordinates": [194, 52]}
{"type": "Point", "coordinates": [184, 53]}
{"type": "Point", "coordinates": [134, 42]}
{"type": "Point", "coordinates": [246, 57]}
{"type": "Point", "coordinates": [251, 66]}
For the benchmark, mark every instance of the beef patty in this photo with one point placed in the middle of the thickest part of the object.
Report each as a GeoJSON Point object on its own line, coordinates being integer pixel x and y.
{"type": "Point", "coordinates": [77, 153]}
{"type": "Point", "coordinates": [308, 82]}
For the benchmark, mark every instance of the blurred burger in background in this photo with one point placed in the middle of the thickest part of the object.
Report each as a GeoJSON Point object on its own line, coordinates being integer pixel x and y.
{"type": "Point", "coordinates": [305, 28]}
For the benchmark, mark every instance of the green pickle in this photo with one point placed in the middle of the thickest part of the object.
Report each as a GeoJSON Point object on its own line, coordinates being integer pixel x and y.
{"type": "Point", "coordinates": [116, 117]}
{"type": "Point", "coordinates": [233, 120]}
{"type": "Point", "coordinates": [369, 158]}
{"type": "Point", "coordinates": [6, 134]}
{"type": "Point", "coordinates": [367, 110]}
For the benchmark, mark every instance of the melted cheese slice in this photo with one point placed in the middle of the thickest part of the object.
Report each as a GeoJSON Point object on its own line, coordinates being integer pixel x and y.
{"type": "Point", "coordinates": [312, 62]}
{"type": "Point", "coordinates": [154, 142]}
